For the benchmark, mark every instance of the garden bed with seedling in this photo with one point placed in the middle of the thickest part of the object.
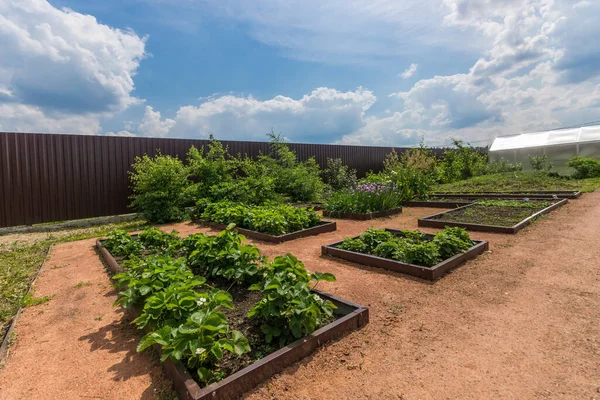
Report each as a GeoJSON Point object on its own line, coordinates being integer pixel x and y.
{"type": "Point", "coordinates": [363, 216]}
{"type": "Point", "coordinates": [438, 203]}
{"type": "Point", "coordinates": [496, 216]}
{"type": "Point", "coordinates": [533, 194]}
{"type": "Point", "coordinates": [409, 252]}
{"type": "Point", "coordinates": [217, 334]}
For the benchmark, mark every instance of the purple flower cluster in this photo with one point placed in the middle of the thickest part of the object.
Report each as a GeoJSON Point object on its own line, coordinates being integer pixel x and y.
{"type": "Point", "coordinates": [375, 188]}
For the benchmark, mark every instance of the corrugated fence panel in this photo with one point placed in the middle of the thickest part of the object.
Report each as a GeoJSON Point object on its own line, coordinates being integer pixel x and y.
{"type": "Point", "coordinates": [51, 177]}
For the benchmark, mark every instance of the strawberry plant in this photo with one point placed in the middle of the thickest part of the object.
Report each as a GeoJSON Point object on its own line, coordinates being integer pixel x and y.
{"type": "Point", "coordinates": [120, 243]}
{"type": "Point", "coordinates": [277, 219]}
{"type": "Point", "coordinates": [201, 341]}
{"type": "Point", "coordinates": [288, 309]}
{"type": "Point", "coordinates": [411, 247]}
{"type": "Point", "coordinates": [142, 278]}
{"type": "Point", "coordinates": [155, 239]}
{"type": "Point", "coordinates": [224, 256]}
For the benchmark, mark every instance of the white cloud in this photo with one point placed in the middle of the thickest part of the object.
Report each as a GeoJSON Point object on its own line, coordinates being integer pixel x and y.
{"type": "Point", "coordinates": [582, 4]}
{"type": "Point", "coordinates": [25, 118]}
{"type": "Point", "coordinates": [64, 64]}
{"type": "Point", "coordinates": [152, 125]}
{"type": "Point", "coordinates": [123, 133]}
{"type": "Point", "coordinates": [410, 71]}
{"type": "Point", "coordinates": [533, 76]}
{"type": "Point", "coordinates": [321, 116]}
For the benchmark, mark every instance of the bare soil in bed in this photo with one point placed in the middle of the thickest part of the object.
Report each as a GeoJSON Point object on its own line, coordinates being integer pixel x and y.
{"type": "Point", "coordinates": [489, 215]}
{"type": "Point", "coordinates": [520, 322]}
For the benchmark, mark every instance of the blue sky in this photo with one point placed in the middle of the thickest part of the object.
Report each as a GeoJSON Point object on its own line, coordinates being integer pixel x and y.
{"type": "Point", "coordinates": [364, 72]}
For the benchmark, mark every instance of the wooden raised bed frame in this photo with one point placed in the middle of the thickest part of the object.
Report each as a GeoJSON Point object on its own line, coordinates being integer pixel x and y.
{"type": "Point", "coordinates": [364, 216]}
{"type": "Point", "coordinates": [432, 221]}
{"type": "Point", "coordinates": [353, 317]}
{"type": "Point", "coordinates": [531, 194]}
{"type": "Point", "coordinates": [321, 227]}
{"type": "Point", "coordinates": [429, 273]}
{"type": "Point", "coordinates": [436, 204]}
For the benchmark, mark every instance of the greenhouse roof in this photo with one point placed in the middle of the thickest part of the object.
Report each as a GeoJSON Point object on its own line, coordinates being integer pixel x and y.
{"type": "Point", "coordinates": [547, 138]}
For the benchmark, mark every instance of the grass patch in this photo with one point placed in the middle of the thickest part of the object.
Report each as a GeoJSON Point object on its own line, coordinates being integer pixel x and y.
{"type": "Point", "coordinates": [517, 181]}
{"type": "Point", "coordinates": [81, 284]}
{"type": "Point", "coordinates": [19, 264]}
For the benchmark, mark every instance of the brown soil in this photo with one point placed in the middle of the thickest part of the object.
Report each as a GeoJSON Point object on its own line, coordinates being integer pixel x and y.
{"type": "Point", "coordinates": [519, 322]}
{"type": "Point", "coordinates": [489, 215]}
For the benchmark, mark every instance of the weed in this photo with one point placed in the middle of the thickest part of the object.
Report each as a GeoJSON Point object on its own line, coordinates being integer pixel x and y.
{"type": "Point", "coordinates": [81, 284]}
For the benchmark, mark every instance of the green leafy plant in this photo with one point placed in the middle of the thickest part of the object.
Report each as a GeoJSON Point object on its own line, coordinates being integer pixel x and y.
{"type": "Point", "coordinates": [155, 239]}
{"type": "Point", "coordinates": [224, 256]}
{"type": "Point", "coordinates": [584, 167]}
{"type": "Point", "coordinates": [411, 247]}
{"type": "Point", "coordinates": [120, 244]}
{"type": "Point", "coordinates": [158, 185]}
{"type": "Point", "coordinates": [200, 341]}
{"type": "Point", "coordinates": [338, 176]}
{"type": "Point", "coordinates": [143, 278]}
{"type": "Point", "coordinates": [365, 198]}
{"type": "Point", "coordinates": [288, 309]}
{"type": "Point", "coordinates": [277, 219]}
{"type": "Point", "coordinates": [540, 163]}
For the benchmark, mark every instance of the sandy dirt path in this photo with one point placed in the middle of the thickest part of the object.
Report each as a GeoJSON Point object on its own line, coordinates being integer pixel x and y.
{"type": "Point", "coordinates": [520, 322]}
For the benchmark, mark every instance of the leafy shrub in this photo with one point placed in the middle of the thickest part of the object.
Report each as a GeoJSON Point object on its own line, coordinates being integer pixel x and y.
{"type": "Point", "coordinates": [224, 256]}
{"type": "Point", "coordinates": [120, 243]}
{"type": "Point", "coordinates": [502, 165]}
{"type": "Point", "coordinates": [412, 247]}
{"type": "Point", "coordinates": [155, 239]}
{"type": "Point", "coordinates": [585, 167]}
{"type": "Point", "coordinates": [288, 309]}
{"type": "Point", "coordinates": [462, 162]}
{"type": "Point", "coordinates": [339, 176]}
{"type": "Point", "coordinates": [299, 181]}
{"type": "Point", "coordinates": [158, 186]}
{"type": "Point", "coordinates": [540, 163]}
{"type": "Point", "coordinates": [275, 219]}
{"type": "Point", "coordinates": [365, 198]}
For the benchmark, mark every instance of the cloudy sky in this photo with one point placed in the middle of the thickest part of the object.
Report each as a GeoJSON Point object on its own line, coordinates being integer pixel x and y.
{"type": "Point", "coordinates": [382, 72]}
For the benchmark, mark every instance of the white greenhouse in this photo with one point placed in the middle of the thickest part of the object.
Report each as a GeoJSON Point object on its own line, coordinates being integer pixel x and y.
{"type": "Point", "coordinates": [559, 145]}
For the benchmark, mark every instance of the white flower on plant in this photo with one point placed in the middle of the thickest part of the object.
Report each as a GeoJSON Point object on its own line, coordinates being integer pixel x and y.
{"type": "Point", "coordinates": [290, 275]}
{"type": "Point", "coordinates": [317, 298]}
{"type": "Point", "coordinates": [200, 350]}
{"type": "Point", "coordinates": [201, 301]}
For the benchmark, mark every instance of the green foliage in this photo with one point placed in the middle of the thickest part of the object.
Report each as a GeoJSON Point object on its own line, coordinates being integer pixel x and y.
{"type": "Point", "coordinates": [143, 278]}
{"type": "Point", "coordinates": [338, 176]}
{"type": "Point", "coordinates": [462, 162]}
{"type": "Point", "coordinates": [158, 186]}
{"type": "Point", "coordinates": [502, 165]}
{"type": "Point", "coordinates": [277, 219]}
{"type": "Point", "coordinates": [120, 243]}
{"type": "Point", "coordinates": [365, 198]}
{"type": "Point", "coordinates": [289, 310]}
{"type": "Point", "coordinates": [299, 181]}
{"type": "Point", "coordinates": [155, 239]}
{"type": "Point", "coordinates": [201, 341]}
{"type": "Point", "coordinates": [224, 256]}
{"type": "Point", "coordinates": [411, 247]}
{"type": "Point", "coordinates": [540, 163]}
{"type": "Point", "coordinates": [537, 204]}
{"type": "Point", "coordinates": [585, 167]}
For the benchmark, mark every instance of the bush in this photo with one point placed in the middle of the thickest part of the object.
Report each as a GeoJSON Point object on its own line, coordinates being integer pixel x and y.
{"type": "Point", "coordinates": [365, 198]}
{"type": "Point", "coordinates": [299, 181]}
{"type": "Point", "coordinates": [540, 163]}
{"type": "Point", "coordinates": [158, 186]}
{"type": "Point", "coordinates": [339, 176]}
{"type": "Point", "coordinates": [462, 162]}
{"type": "Point", "coordinates": [585, 167]}
{"type": "Point", "coordinates": [496, 167]}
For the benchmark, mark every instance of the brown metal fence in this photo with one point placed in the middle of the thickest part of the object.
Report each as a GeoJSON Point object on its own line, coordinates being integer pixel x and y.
{"type": "Point", "coordinates": [52, 177]}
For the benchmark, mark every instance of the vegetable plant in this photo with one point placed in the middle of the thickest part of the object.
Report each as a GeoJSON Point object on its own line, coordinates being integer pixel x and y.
{"type": "Point", "coordinates": [365, 198]}
{"type": "Point", "coordinates": [288, 309]}
{"type": "Point", "coordinates": [120, 243]}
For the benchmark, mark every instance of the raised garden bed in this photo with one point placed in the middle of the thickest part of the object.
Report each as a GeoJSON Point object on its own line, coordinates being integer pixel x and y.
{"type": "Point", "coordinates": [364, 216]}
{"type": "Point", "coordinates": [321, 227]}
{"type": "Point", "coordinates": [482, 218]}
{"type": "Point", "coordinates": [349, 317]}
{"type": "Point", "coordinates": [429, 273]}
{"type": "Point", "coordinates": [437, 203]}
{"type": "Point", "coordinates": [534, 194]}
